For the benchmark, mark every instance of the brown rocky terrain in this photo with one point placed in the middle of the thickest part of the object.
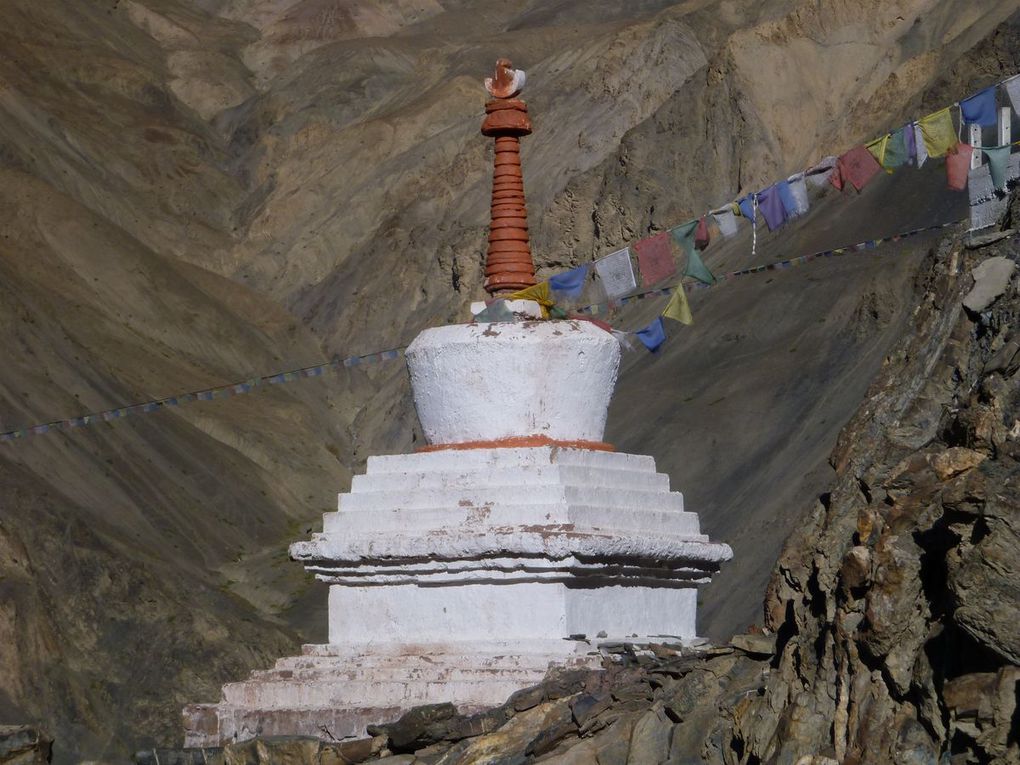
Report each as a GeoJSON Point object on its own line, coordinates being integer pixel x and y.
{"type": "Point", "coordinates": [197, 191]}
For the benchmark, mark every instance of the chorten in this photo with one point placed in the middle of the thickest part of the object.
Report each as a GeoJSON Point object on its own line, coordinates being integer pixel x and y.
{"type": "Point", "coordinates": [514, 541]}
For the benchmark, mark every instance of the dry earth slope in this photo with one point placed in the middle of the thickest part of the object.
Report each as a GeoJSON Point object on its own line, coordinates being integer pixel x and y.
{"type": "Point", "coordinates": [197, 191]}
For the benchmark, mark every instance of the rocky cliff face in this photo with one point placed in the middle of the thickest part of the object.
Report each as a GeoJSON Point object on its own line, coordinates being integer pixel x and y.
{"type": "Point", "coordinates": [197, 191]}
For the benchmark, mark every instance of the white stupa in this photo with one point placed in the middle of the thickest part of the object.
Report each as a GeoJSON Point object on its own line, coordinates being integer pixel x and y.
{"type": "Point", "coordinates": [516, 540]}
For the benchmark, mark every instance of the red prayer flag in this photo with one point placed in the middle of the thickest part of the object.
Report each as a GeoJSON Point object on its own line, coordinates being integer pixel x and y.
{"type": "Point", "coordinates": [701, 237]}
{"type": "Point", "coordinates": [858, 166]}
{"type": "Point", "coordinates": [958, 166]}
{"type": "Point", "coordinates": [655, 259]}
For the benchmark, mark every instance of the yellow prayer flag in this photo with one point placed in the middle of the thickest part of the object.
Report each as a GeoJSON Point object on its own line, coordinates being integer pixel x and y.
{"type": "Point", "coordinates": [678, 308]}
{"type": "Point", "coordinates": [939, 135]}
{"type": "Point", "coordinates": [537, 292]}
{"type": "Point", "coordinates": [878, 147]}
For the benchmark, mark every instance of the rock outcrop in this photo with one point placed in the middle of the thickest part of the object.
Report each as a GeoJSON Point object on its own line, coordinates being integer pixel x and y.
{"type": "Point", "coordinates": [23, 745]}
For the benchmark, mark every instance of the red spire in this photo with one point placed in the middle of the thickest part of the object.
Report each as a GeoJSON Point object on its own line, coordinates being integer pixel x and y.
{"type": "Point", "coordinates": [508, 263]}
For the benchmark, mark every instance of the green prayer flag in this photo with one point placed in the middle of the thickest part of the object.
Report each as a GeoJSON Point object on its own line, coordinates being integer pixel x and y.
{"type": "Point", "coordinates": [998, 159]}
{"type": "Point", "coordinates": [895, 150]}
{"type": "Point", "coordinates": [697, 269]}
{"type": "Point", "coordinates": [684, 235]}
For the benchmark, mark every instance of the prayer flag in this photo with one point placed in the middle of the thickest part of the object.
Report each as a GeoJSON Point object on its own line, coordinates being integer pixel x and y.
{"type": "Point", "coordinates": [1013, 91]}
{"type": "Point", "coordinates": [537, 292]}
{"type": "Point", "coordinates": [896, 153]}
{"type": "Point", "coordinates": [684, 235]}
{"type": "Point", "coordinates": [496, 311]}
{"type": "Point", "coordinates": [820, 173]}
{"type": "Point", "coordinates": [877, 148]}
{"type": "Point", "coordinates": [920, 149]}
{"type": "Point", "coordinates": [617, 273]}
{"type": "Point", "coordinates": [701, 235]}
{"type": "Point", "coordinates": [652, 336]}
{"type": "Point", "coordinates": [655, 259]}
{"type": "Point", "coordinates": [726, 221]}
{"type": "Point", "coordinates": [939, 135]}
{"type": "Point", "coordinates": [678, 309]}
{"type": "Point", "coordinates": [697, 269]}
{"type": "Point", "coordinates": [786, 196]}
{"type": "Point", "coordinates": [570, 284]}
{"type": "Point", "coordinates": [979, 109]}
{"type": "Point", "coordinates": [746, 206]}
{"type": "Point", "coordinates": [998, 158]}
{"type": "Point", "coordinates": [958, 166]}
{"type": "Point", "coordinates": [770, 204]}
{"type": "Point", "coordinates": [857, 167]}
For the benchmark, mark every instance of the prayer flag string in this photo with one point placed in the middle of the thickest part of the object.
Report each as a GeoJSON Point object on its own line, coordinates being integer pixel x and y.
{"type": "Point", "coordinates": [206, 394]}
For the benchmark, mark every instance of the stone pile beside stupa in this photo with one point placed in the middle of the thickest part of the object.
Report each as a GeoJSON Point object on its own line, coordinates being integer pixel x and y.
{"type": "Point", "coordinates": [514, 541]}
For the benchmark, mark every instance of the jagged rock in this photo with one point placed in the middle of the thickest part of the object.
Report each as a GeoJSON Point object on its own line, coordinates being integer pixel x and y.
{"type": "Point", "coordinates": [559, 724]}
{"type": "Point", "coordinates": [509, 743]}
{"type": "Point", "coordinates": [417, 728]}
{"type": "Point", "coordinates": [23, 745]}
{"type": "Point", "coordinates": [613, 744]}
{"type": "Point", "coordinates": [955, 460]}
{"type": "Point", "coordinates": [584, 753]}
{"type": "Point", "coordinates": [983, 240]}
{"type": "Point", "coordinates": [586, 706]}
{"type": "Point", "coordinates": [649, 742]}
{"type": "Point", "coordinates": [990, 280]}
{"type": "Point", "coordinates": [986, 581]}
{"type": "Point", "coordinates": [527, 698]}
{"type": "Point", "coordinates": [755, 645]}
{"type": "Point", "coordinates": [351, 752]}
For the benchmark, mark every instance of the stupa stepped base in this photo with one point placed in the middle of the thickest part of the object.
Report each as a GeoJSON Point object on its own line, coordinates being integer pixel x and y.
{"type": "Point", "coordinates": [475, 571]}
{"type": "Point", "coordinates": [335, 691]}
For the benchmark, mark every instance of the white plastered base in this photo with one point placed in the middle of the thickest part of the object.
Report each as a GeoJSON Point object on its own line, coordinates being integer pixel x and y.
{"type": "Point", "coordinates": [462, 576]}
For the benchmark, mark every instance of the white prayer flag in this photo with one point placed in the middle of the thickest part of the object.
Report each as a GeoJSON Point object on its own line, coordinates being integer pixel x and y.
{"type": "Point", "coordinates": [617, 273]}
{"type": "Point", "coordinates": [818, 175]}
{"type": "Point", "coordinates": [725, 220]}
{"type": "Point", "coordinates": [919, 146]}
{"type": "Point", "coordinates": [1013, 89]}
{"type": "Point", "coordinates": [798, 190]}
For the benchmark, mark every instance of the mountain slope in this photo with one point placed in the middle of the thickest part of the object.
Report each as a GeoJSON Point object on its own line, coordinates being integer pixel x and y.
{"type": "Point", "coordinates": [196, 192]}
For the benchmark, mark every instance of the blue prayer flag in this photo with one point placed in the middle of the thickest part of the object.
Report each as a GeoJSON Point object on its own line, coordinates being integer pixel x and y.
{"type": "Point", "coordinates": [746, 206]}
{"type": "Point", "coordinates": [979, 109]}
{"type": "Point", "coordinates": [652, 336]}
{"type": "Point", "coordinates": [570, 283]}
